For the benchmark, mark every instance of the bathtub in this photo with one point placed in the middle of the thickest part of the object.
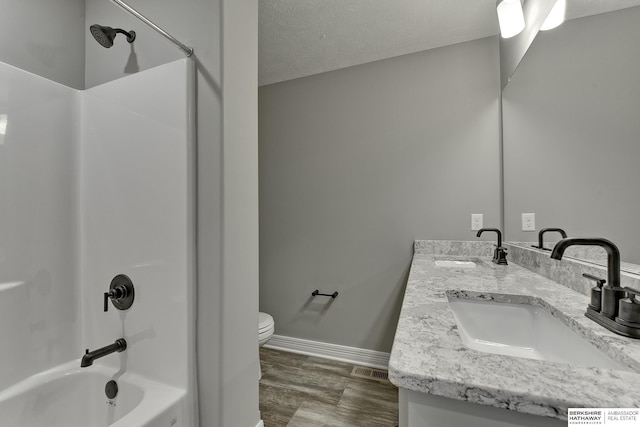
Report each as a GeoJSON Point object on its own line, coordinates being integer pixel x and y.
{"type": "Point", "coordinates": [70, 396]}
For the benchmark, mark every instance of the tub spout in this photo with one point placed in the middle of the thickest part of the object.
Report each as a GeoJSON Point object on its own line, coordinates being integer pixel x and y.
{"type": "Point", "coordinates": [119, 346]}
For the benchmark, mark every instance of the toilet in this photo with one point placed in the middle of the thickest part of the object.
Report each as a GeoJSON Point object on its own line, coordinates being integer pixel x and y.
{"type": "Point", "coordinates": [266, 326]}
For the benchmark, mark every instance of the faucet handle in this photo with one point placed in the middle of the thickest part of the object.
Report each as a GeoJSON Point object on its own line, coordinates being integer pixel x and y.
{"type": "Point", "coordinates": [116, 293]}
{"type": "Point", "coordinates": [599, 281]}
{"type": "Point", "coordinates": [629, 309]}
{"type": "Point", "coordinates": [633, 293]}
{"type": "Point", "coordinates": [596, 292]}
{"type": "Point", "coordinates": [121, 293]}
{"type": "Point", "coordinates": [500, 256]}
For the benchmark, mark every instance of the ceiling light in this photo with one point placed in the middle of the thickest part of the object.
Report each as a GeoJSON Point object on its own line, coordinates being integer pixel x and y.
{"type": "Point", "coordinates": [510, 17]}
{"type": "Point", "coordinates": [556, 16]}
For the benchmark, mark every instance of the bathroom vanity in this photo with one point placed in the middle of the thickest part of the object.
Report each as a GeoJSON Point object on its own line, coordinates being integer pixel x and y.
{"type": "Point", "coordinates": [443, 381]}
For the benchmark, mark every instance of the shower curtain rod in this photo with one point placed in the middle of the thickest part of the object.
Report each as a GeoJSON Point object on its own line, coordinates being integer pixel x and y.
{"type": "Point", "coordinates": [188, 51]}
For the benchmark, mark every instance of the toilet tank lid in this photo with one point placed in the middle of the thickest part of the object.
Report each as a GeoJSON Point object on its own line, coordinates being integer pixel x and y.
{"type": "Point", "coordinates": [264, 320]}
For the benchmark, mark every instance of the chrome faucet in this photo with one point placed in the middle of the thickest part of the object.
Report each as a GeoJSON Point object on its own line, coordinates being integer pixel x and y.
{"type": "Point", "coordinates": [119, 346]}
{"type": "Point", "coordinates": [547, 230]}
{"type": "Point", "coordinates": [500, 254]}
{"type": "Point", "coordinates": [612, 293]}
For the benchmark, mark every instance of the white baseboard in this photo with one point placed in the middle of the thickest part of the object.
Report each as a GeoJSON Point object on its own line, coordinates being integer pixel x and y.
{"type": "Point", "coordinates": [260, 424]}
{"type": "Point", "coordinates": [357, 356]}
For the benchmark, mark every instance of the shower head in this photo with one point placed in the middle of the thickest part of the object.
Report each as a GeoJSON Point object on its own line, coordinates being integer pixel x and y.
{"type": "Point", "coordinates": [106, 35]}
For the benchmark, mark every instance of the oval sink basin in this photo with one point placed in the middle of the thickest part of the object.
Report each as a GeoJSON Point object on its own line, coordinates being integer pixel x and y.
{"type": "Point", "coordinates": [455, 264]}
{"type": "Point", "coordinates": [524, 330]}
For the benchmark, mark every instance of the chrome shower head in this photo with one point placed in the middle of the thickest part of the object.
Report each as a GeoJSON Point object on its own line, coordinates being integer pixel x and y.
{"type": "Point", "coordinates": [106, 35]}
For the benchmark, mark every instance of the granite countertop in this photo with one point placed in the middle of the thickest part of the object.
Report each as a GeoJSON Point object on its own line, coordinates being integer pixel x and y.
{"type": "Point", "coordinates": [592, 254]}
{"type": "Point", "coordinates": [428, 355]}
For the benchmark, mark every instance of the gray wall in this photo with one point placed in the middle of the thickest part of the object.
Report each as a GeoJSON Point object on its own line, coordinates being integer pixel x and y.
{"type": "Point", "coordinates": [227, 183]}
{"type": "Point", "coordinates": [355, 165]}
{"type": "Point", "coordinates": [571, 131]}
{"type": "Point", "coordinates": [44, 37]}
{"type": "Point", "coordinates": [239, 298]}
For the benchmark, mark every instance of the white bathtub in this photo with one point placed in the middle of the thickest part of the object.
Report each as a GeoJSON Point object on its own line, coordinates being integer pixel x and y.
{"type": "Point", "coordinates": [70, 396]}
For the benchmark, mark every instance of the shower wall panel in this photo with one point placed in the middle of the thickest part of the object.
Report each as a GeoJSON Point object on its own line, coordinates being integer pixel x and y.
{"type": "Point", "coordinates": [137, 218]}
{"type": "Point", "coordinates": [39, 324]}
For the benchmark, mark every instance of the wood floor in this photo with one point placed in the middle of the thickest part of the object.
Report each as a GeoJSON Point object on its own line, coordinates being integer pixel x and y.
{"type": "Point", "coordinates": [305, 391]}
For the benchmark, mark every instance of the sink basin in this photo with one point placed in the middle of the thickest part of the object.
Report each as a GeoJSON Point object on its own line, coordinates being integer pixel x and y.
{"type": "Point", "coordinates": [524, 330]}
{"type": "Point", "coordinates": [455, 264]}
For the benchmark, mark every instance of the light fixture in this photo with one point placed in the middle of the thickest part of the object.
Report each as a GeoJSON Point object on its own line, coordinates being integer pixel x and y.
{"type": "Point", "coordinates": [556, 16]}
{"type": "Point", "coordinates": [510, 17]}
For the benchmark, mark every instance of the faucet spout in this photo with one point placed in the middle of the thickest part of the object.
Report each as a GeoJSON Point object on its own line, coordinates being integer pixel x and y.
{"type": "Point", "coordinates": [498, 232]}
{"type": "Point", "coordinates": [613, 254]}
{"type": "Point", "coordinates": [119, 346]}
{"type": "Point", "coordinates": [546, 230]}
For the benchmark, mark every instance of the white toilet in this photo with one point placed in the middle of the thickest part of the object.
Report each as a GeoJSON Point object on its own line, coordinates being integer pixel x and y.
{"type": "Point", "coordinates": [266, 326]}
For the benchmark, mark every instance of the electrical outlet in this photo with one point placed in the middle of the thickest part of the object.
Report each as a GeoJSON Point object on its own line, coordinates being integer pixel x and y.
{"type": "Point", "coordinates": [476, 222]}
{"type": "Point", "coordinates": [528, 222]}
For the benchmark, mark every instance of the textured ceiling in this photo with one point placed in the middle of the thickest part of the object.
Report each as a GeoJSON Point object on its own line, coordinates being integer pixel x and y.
{"type": "Point", "coordinates": [304, 37]}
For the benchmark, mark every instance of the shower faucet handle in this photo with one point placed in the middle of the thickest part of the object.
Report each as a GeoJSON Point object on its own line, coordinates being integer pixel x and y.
{"type": "Point", "coordinates": [116, 293]}
{"type": "Point", "coordinates": [121, 293]}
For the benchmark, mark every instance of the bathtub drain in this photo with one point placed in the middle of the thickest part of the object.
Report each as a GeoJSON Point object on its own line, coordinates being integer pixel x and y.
{"type": "Point", "coordinates": [111, 389]}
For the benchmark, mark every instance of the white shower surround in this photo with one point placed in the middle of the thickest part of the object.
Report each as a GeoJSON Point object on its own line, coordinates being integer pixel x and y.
{"type": "Point", "coordinates": [93, 184]}
{"type": "Point", "coordinates": [39, 299]}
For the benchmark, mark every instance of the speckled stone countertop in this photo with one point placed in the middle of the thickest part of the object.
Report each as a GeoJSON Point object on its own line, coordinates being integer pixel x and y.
{"type": "Point", "coordinates": [593, 254]}
{"type": "Point", "coordinates": [428, 355]}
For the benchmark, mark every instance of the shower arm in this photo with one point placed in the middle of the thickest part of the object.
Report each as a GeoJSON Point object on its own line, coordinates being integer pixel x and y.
{"type": "Point", "coordinates": [188, 51]}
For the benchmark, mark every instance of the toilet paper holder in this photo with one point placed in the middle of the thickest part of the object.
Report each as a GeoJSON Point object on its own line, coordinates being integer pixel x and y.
{"type": "Point", "coordinates": [317, 292]}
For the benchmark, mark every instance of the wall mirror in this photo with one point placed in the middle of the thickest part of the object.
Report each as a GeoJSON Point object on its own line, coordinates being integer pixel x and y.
{"type": "Point", "coordinates": [571, 134]}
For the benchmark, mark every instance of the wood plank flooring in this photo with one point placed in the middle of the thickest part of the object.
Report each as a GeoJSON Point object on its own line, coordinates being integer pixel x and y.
{"type": "Point", "coordinates": [306, 391]}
